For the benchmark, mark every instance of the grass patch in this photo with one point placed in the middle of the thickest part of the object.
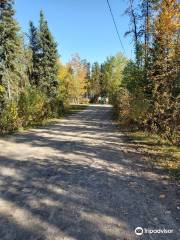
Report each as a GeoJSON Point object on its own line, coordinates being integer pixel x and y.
{"type": "Point", "coordinates": [161, 152]}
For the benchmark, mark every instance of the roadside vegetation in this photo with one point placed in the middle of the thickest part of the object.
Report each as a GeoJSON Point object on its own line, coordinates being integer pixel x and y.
{"type": "Point", "coordinates": [158, 151]}
{"type": "Point", "coordinates": [148, 96]}
{"type": "Point", "coordinates": [146, 103]}
{"type": "Point", "coordinates": [36, 86]}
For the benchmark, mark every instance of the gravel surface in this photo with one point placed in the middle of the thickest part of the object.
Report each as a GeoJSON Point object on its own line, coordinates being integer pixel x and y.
{"type": "Point", "coordinates": [79, 179]}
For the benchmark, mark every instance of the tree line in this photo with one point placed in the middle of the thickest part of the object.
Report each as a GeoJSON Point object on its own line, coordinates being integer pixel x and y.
{"type": "Point", "coordinates": [145, 91]}
{"type": "Point", "coordinates": [149, 92]}
{"type": "Point", "coordinates": [35, 85]}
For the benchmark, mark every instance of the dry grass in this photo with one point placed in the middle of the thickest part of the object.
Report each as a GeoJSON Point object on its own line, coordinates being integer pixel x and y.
{"type": "Point", "coordinates": [162, 153]}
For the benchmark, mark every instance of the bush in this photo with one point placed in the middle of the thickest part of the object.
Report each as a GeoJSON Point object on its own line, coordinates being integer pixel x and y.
{"type": "Point", "coordinates": [121, 101]}
{"type": "Point", "coordinates": [139, 111]}
{"type": "Point", "coordinates": [32, 106]}
{"type": "Point", "coordinates": [9, 119]}
{"type": "Point", "coordinates": [130, 110]}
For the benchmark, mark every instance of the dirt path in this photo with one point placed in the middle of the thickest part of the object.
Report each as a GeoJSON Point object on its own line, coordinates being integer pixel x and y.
{"type": "Point", "coordinates": [79, 180]}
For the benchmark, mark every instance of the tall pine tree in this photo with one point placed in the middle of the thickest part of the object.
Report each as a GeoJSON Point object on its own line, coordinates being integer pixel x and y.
{"type": "Point", "coordinates": [44, 58]}
{"type": "Point", "coordinates": [48, 68]}
{"type": "Point", "coordinates": [11, 53]}
{"type": "Point", "coordinates": [34, 46]}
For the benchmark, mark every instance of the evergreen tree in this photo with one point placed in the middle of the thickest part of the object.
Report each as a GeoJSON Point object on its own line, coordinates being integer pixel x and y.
{"type": "Point", "coordinates": [11, 53]}
{"type": "Point", "coordinates": [47, 53]}
{"type": "Point", "coordinates": [147, 28]}
{"type": "Point", "coordinates": [34, 46]}
{"type": "Point", "coordinates": [88, 66]}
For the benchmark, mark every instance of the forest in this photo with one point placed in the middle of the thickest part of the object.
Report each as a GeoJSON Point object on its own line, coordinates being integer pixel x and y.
{"type": "Point", "coordinates": [89, 148]}
{"type": "Point", "coordinates": [35, 85]}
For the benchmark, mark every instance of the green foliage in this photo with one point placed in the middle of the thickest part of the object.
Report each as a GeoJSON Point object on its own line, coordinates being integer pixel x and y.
{"type": "Point", "coordinates": [112, 73]}
{"type": "Point", "coordinates": [144, 92]}
{"type": "Point", "coordinates": [44, 69]}
{"type": "Point", "coordinates": [34, 47]}
{"type": "Point", "coordinates": [121, 102]}
{"type": "Point", "coordinates": [132, 78]}
{"type": "Point", "coordinates": [164, 71]}
{"type": "Point", "coordinates": [76, 80]}
{"type": "Point", "coordinates": [95, 81]}
{"type": "Point", "coordinates": [28, 76]}
{"type": "Point", "coordinates": [32, 106]}
{"type": "Point", "coordinates": [9, 119]}
{"type": "Point", "coordinates": [152, 81]}
{"type": "Point", "coordinates": [139, 111]}
{"type": "Point", "coordinates": [129, 109]}
{"type": "Point", "coordinates": [2, 91]}
{"type": "Point", "coordinates": [48, 56]}
{"type": "Point", "coordinates": [11, 52]}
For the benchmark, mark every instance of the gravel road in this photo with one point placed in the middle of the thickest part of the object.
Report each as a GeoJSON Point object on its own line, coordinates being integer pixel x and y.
{"type": "Point", "coordinates": [79, 179]}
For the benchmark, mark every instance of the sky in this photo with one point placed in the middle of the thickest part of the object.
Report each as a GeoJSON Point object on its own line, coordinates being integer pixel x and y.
{"type": "Point", "coordinates": [80, 26]}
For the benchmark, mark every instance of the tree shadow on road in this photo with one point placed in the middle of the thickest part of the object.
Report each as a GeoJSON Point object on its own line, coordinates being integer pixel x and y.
{"type": "Point", "coordinates": [84, 189]}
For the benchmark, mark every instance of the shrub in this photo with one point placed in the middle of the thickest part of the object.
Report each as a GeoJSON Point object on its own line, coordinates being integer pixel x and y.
{"type": "Point", "coordinates": [9, 119]}
{"type": "Point", "coordinates": [139, 111]}
{"type": "Point", "coordinates": [130, 110]}
{"type": "Point", "coordinates": [121, 101]}
{"type": "Point", "coordinates": [32, 106]}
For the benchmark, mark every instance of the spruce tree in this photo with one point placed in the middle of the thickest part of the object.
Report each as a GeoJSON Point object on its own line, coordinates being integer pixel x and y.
{"type": "Point", "coordinates": [48, 68]}
{"type": "Point", "coordinates": [12, 68]}
{"type": "Point", "coordinates": [34, 46]}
